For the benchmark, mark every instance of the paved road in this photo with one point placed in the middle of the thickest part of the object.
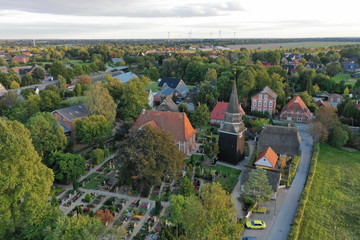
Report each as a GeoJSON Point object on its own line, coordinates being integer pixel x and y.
{"type": "Point", "coordinates": [41, 86]}
{"type": "Point", "coordinates": [281, 227]}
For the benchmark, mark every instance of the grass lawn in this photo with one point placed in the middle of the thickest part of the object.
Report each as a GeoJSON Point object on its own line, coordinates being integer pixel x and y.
{"type": "Point", "coordinates": [333, 209]}
{"type": "Point", "coordinates": [153, 86]}
{"type": "Point", "coordinates": [231, 180]}
{"type": "Point", "coordinates": [80, 62]}
{"type": "Point", "coordinates": [95, 180]}
{"type": "Point", "coordinates": [344, 77]}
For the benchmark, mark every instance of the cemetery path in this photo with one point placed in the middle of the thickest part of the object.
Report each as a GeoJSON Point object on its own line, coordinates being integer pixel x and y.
{"type": "Point", "coordinates": [140, 224]}
{"type": "Point", "coordinates": [97, 166]}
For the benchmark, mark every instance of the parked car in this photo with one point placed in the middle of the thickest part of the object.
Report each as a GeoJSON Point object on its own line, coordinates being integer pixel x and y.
{"type": "Point", "coordinates": [249, 238]}
{"type": "Point", "coordinates": [255, 224]}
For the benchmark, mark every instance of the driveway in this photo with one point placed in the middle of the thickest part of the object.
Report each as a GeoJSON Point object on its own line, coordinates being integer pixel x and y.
{"type": "Point", "coordinates": [280, 218]}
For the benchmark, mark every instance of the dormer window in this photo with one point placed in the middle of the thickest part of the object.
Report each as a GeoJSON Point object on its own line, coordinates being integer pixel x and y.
{"type": "Point", "coordinates": [265, 96]}
{"type": "Point", "coordinates": [260, 96]}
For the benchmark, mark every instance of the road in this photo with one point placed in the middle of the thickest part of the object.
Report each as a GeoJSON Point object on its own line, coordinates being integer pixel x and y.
{"type": "Point", "coordinates": [41, 86]}
{"type": "Point", "coordinates": [281, 227]}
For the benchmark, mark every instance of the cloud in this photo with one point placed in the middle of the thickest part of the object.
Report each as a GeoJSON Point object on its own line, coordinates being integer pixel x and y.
{"type": "Point", "coordinates": [126, 8]}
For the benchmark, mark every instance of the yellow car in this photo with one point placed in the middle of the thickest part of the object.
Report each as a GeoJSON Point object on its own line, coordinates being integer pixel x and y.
{"type": "Point", "coordinates": [255, 224]}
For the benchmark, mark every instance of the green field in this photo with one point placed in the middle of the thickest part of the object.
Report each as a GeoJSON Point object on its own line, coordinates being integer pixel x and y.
{"type": "Point", "coordinates": [333, 209]}
{"type": "Point", "coordinates": [344, 77]}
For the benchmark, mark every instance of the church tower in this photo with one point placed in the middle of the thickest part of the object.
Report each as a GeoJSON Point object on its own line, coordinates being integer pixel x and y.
{"type": "Point", "coordinates": [232, 132]}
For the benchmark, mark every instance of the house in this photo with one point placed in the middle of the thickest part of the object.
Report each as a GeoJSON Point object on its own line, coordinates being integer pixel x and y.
{"type": "Point", "coordinates": [264, 101]}
{"type": "Point", "coordinates": [167, 105]}
{"type": "Point", "coordinates": [3, 69]}
{"type": "Point", "coordinates": [181, 91]}
{"type": "Point", "coordinates": [283, 140]}
{"type": "Point", "coordinates": [159, 96]}
{"type": "Point", "coordinates": [296, 111]}
{"type": "Point", "coordinates": [266, 64]}
{"type": "Point", "coordinates": [351, 67]}
{"type": "Point", "coordinates": [21, 59]}
{"type": "Point", "coordinates": [267, 159]}
{"type": "Point", "coordinates": [170, 83]}
{"type": "Point", "coordinates": [126, 77]}
{"type": "Point", "coordinates": [67, 117]}
{"type": "Point", "coordinates": [290, 68]}
{"type": "Point", "coordinates": [175, 123]}
{"type": "Point", "coordinates": [335, 98]}
{"type": "Point", "coordinates": [3, 90]}
{"type": "Point", "coordinates": [217, 115]}
{"type": "Point", "coordinates": [320, 103]}
{"type": "Point", "coordinates": [310, 65]}
{"type": "Point", "coordinates": [116, 60]}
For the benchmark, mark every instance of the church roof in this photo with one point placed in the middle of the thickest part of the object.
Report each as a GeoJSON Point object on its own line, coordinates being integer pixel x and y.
{"type": "Point", "coordinates": [233, 106]}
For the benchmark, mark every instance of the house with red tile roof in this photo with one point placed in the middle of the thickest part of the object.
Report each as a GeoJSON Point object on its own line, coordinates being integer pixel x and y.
{"type": "Point", "coordinates": [267, 159]}
{"type": "Point", "coordinates": [21, 59]}
{"type": "Point", "coordinates": [175, 123]}
{"type": "Point", "coordinates": [264, 101]}
{"type": "Point", "coordinates": [217, 115]}
{"type": "Point", "coordinates": [296, 111]}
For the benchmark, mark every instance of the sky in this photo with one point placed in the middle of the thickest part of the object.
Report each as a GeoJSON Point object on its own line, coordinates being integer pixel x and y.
{"type": "Point", "coordinates": [151, 19]}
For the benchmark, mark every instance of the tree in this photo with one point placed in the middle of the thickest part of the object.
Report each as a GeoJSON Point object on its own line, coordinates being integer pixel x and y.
{"type": "Point", "coordinates": [50, 101]}
{"type": "Point", "coordinates": [333, 68]}
{"type": "Point", "coordinates": [327, 116]}
{"type": "Point", "coordinates": [98, 101]}
{"type": "Point", "coordinates": [67, 167]}
{"type": "Point", "coordinates": [105, 216]}
{"type": "Point", "coordinates": [186, 187]}
{"type": "Point", "coordinates": [27, 79]}
{"type": "Point", "coordinates": [318, 132]}
{"type": "Point", "coordinates": [81, 228]}
{"type": "Point", "coordinates": [46, 133]}
{"type": "Point", "coordinates": [257, 187]}
{"type": "Point", "coordinates": [93, 129]}
{"type": "Point", "coordinates": [247, 82]}
{"type": "Point", "coordinates": [14, 85]}
{"type": "Point", "coordinates": [224, 85]}
{"type": "Point", "coordinates": [339, 137]}
{"type": "Point", "coordinates": [133, 98]}
{"type": "Point", "coordinates": [38, 74]}
{"type": "Point", "coordinates": [25, 181]}
{"type": "Point", "coordinates": [201, 116]}
{"type": "Point", "coordinates": [84, 80]}
{"type": "Point", "coordinates": [3, 62]}
{"type": "Point", "coordinates": [210, 75]}
{"type": "Point", "coordinates": [57, 69]}
{"type": "Point", "coordinates": [78, 90]}
{"type": "Point", "coordinates": [208, 95]}
{"type": "Point", "coordinates": [84, 55]}
{"type": "Point", "coordinates": [117, 233]}
{"type": "Point", "coordinates": [210, 217]}
{"type": "Point", "coordinates": [147, 156]}
{"type": "Point", "coordinates": [273, 57]}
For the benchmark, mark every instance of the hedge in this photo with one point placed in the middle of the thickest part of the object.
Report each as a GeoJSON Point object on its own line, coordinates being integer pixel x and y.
{"type": "Point", "coordinates": [295, 227]}
{"type": "Point", "coordinates": [293, 167]}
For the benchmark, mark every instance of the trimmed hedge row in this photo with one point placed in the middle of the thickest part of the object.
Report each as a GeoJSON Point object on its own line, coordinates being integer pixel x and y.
{"type": "Point", "coordinates": [295, 228]}
{"type": "Point", "coordinates": [293, 167]}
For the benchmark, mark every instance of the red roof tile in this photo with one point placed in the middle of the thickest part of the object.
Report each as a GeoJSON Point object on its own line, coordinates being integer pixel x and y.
{"type": "Point", "coordinates": [296, 105]}
{"type": "Point", "coordinates": [219, 110]}
{"type": "Point", "coordinates": [270, 155]}
{"type": "Point", "coordinates": [176, 124]}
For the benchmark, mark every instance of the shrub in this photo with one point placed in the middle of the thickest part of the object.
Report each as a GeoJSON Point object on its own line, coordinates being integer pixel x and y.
{"type": "Point", "coordinates": [260, 210]}
{"type": "Point", "coordinates": [98, 155]}
{"type": "Point", "coordinates": [106, 152]}
{"type": "Point", "coordinates": [88, 198]}
{"type": "Point", "coordinates": [293, 167]}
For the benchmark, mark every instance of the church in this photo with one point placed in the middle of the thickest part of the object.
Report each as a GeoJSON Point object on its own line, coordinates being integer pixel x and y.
{"type": "Point", "coordinates": [232, 132]}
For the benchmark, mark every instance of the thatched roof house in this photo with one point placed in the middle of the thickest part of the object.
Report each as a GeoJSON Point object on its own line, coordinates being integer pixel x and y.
{"type": "Point", "coordinates": [283, 140]}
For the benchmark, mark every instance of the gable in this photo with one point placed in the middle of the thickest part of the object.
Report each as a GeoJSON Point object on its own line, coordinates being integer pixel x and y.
{"type": "Point", "coordinates": [264, 162]}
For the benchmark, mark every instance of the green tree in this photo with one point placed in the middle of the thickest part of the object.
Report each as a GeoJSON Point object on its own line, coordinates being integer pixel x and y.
{"type": "Point", "coordinates": [247, 82]}
{"type": "Point", "coordinates": [57, 69]}
{"type": "Point", "coordinates": [152, 73]}
{"type": "Point", "coordinates": [27, 80]}
{"type": "Point", "coordinates": [186, 187]}
{"type": "Point", "coordinates": [133, 99]}
{"type": "Point", "coordinates": [78, 90]}
{"type": "Point", "coordinates": [257, 187]}
{"type": "Point", "coordinates": [50, 101]}
{"type": "Point", "coordinates": [38, 74]}
{"type": "Point", "coordinates": [3, 62]}
{"type": "Point", "coordinates": [14, 85]}
{"type": "Point", "coordinates": [46, 133]}
{"type": "Point", "coordinates": [25, 181]}
{"type": "Point", "coordinates": [211, 75]}
{"type": "Point", "coordinates": [147, 156]}
{"type": "Point", "coordinates": [81, 228]}
{"type": "Point", "coordinates": [318, 132]}
{"type": "Point", "coordinates": [98, 101]}
{"type": "Point", "coordinates": [93, 129]}
{"type": "Point", "coordinates": [333, 68]}
{"type": "Point", "coordinates": [210, 217]}
{"type": "Point", "coordinates": [339, 137]}
{"type": "Point", "coordinates": [224, 85]}
{"type": "Point", "coordinates": [208, 95]}
{"type": "Point", "coordinates": [201, 116]}
{"type": "Point", "coordinates": [67, 167]}
{"type": "Point", "coordinates": [84, 55]}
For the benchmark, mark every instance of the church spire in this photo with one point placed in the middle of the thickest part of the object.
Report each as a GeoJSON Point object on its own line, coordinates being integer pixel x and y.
{"type": "Point", "coordinates": [233, 106]}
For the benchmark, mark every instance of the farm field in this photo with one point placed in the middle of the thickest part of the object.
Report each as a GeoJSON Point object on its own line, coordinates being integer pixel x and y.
{"type": "Point", "coordinates": [289, 45]}
{"type": "Point", "coordinates": [333, 209]}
